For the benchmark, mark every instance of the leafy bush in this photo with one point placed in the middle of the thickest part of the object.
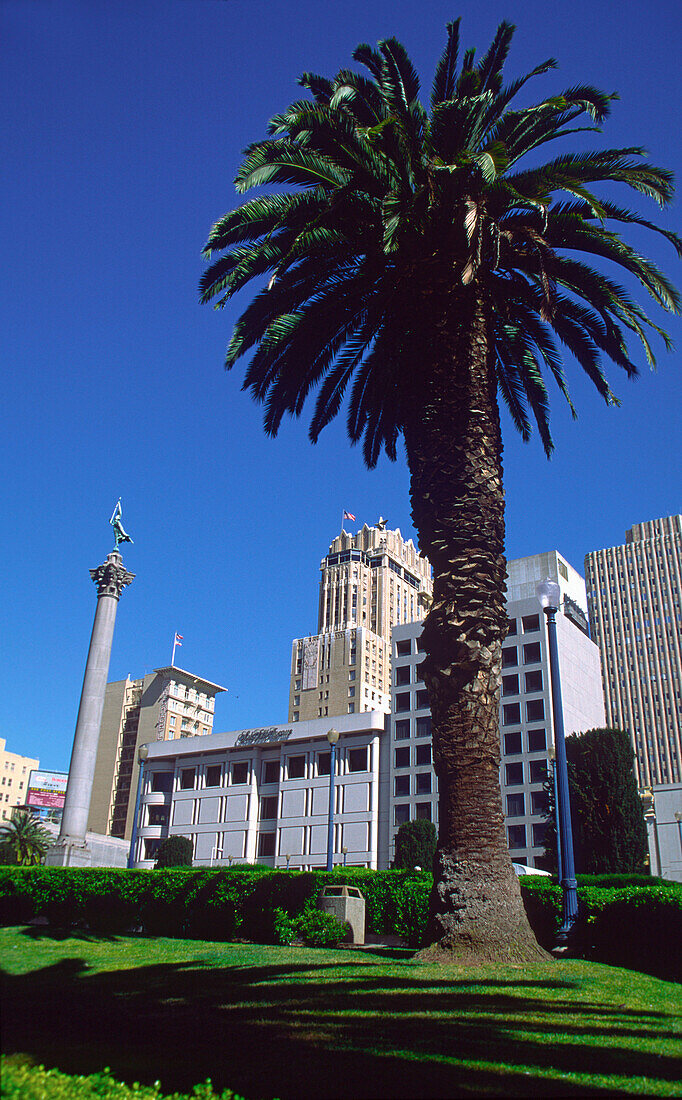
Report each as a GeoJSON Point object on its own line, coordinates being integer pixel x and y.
{"type": "Point", "coordinates": [21, 1081]}
{"type": "Point", "coordinates": [633, 926]}
{"type": "Point", "coordinates": [412, 910]}
{"type": "Point", "coordinates": [415, 845]}
{"type": "Point", "coordinates": [174, 851]}
{"type": "Point", "coordinates": [318, 929]}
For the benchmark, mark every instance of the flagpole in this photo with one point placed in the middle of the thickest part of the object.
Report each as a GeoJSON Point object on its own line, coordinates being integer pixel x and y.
{"type": "Point", "coordinates": [175, 642]}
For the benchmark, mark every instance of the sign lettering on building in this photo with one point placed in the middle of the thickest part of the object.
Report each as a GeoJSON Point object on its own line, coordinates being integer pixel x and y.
{"type": "Point", "coordinates": [47, 790]}
{"type": "Point", "coordinates": [263, 736]}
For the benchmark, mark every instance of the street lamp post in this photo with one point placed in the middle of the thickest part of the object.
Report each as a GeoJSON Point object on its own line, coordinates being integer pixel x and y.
{"type": "Point", "coordinates": [332, 737]}
{"type": "Point", "coordinates": [142, 754]}
{"type": "Point", "coordinates": [345, 854]}
{"type": "Point", "coordinates": [549, 595]}
{"type": "Point", "coordinates": [552, 760]}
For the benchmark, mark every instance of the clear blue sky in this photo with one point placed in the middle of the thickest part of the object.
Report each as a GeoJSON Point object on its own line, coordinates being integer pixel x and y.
{"type": "Point", "coordinates": [123, 125]}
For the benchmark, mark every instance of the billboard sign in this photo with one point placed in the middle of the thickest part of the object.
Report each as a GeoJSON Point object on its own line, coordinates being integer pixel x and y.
{"type": "Point", "coordinates": [47, 790]}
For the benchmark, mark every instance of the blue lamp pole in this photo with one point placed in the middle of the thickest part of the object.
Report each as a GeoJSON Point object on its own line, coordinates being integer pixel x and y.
{"type": "Point", "coordinates": [142, 754]}
{"type": "Point", "coordinates": [332, 737]}
{"type": "Point", "coordinates": [549, 594]}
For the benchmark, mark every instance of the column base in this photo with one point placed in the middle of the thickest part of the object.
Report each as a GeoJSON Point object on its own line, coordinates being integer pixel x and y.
{"type": "Point", "coordinates": [66, 853]}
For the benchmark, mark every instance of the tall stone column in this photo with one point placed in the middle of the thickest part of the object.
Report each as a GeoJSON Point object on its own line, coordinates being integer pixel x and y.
{"type": "Point", "coordinates": [111, 578]}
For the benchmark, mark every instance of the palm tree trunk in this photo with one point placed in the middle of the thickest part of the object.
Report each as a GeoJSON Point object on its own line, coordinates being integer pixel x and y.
{"type": "Point", "coordinates": [454, 451]}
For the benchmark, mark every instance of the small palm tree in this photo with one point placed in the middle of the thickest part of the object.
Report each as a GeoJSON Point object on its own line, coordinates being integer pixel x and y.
{"type": "Point", "coordinates": [409, 260]}
{"type": "Point", "coordinates": [25, 838]}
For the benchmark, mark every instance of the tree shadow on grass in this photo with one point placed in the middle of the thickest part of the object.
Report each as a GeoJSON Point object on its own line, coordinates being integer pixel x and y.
{"type": "Point", "coordinates": [339, 1028]}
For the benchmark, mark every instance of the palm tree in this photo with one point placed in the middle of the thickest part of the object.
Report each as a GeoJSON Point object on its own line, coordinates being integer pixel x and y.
{"type": "Point", "coordinates": [25, 838]}
{"type": "Point", "coordinates": [407, 258]}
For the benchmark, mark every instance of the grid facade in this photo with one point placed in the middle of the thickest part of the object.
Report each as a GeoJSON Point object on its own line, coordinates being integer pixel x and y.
{"type": "Point", "coordinates": [635, 605]}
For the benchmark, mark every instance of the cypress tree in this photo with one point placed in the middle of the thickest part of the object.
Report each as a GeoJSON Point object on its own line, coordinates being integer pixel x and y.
{"type": "Point", "coordinates": [609, 834]}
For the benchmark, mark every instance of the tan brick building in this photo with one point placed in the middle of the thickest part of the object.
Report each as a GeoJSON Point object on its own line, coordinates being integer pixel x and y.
{"type": "Point", "coordinates": [165, 704]}
{"type": "Point", "coordinates": [14, 775]}
{"type": "Point", "coordinates": [370, 582]}
{"type": "Point", "coordinates": [634, 594]}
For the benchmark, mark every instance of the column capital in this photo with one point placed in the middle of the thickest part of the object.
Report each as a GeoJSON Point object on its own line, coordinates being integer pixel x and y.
{"type": "Point", "coordinates": [111, 576]}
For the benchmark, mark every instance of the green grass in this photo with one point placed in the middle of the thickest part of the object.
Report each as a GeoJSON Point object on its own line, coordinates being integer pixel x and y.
{"type": "Point", "coordinates": [300, 1023]}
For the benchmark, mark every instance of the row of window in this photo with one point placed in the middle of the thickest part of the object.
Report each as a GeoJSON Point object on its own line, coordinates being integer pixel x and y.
{"type": "Point", "coordinates": [516, 803]}
{"type": "Point", "coordinates": [535, 712]}
{"type": "Point", "coordinates": [516, 835]}
{"type": "Point", "coordinates": [402, 784]}
{"type": "Point", "coordinates": [531, 652]}
{"type": "Point", "coordinates": [513, 773]}
{"type": "Point", "coordinates": [536, 740]}
{"type": "Point", "coordinates": [402, 727]}
{"type": "Point", "coordinates": [402, 700]}
{"type": "Point", "coordinates": [532, 682]}
{"type": "Point", "coordinates": [295, 767]}
{"type": "Point", "coordinates": [404, 812]}
{"type": "Point", "coordinates": [529, 624]}
{"type": "Point", "coordinates": [401, 756]}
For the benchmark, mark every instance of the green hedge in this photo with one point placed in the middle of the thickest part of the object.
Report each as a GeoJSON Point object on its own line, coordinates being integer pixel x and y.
{"type": "Point", "coordinates": [21, 1081]}
{"type": "Point", "coordinates": [633, 925]}
{"type": "Point", "coordinates": [216, 904]}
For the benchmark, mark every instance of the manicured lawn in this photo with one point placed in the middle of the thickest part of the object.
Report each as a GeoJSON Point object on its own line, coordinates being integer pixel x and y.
{"type": "Point", "coordinates": [298, 1023]}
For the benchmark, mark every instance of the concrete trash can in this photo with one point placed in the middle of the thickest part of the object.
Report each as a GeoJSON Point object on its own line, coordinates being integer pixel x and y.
{"type": "Point", "coordinates": [347, 904]}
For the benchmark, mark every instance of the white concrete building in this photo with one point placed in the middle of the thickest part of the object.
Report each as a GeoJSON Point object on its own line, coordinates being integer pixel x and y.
{"type": "Point", "coordinates": [260, 795]}
{"type": "Point", "coordinates": [663, 817]}
{"type": "Point", "coordinates": [526, 727]}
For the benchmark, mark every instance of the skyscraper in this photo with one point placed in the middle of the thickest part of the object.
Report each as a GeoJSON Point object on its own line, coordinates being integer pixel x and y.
{"type": "Point", "coordinates": [163, 705]}
{"type": "Point", "coordinates": [635, 603]}
{"type": "Point", "coordinates": [370, 582]}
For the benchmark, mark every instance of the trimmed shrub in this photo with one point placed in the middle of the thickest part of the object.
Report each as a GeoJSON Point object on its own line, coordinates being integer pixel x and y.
{"type": "Point", "coordinates": [318, 929]}
{"type": "Point", "coordinates": [412, 909]}
{"type": "Point", "coordinates": [174, 851]}
{"type": "Point", "coordinates": [21, 1081]}
{"type": "Point", "coordinates": [415, 845]}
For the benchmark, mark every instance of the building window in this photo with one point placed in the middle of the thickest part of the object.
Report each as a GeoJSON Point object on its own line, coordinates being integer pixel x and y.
{"type": "Point", "coordinates": [214, 775]}
{"type": "Point", "coordinates": [401, 813]}
{"type": "Point", "coordinates": [268, 808]}
{"type": "Point", "coordinates": [512, 744]}
{"type": "Point", "coordinates": [537, 740]}
{"type": "Point", "coordinates": [401, 729]}
{"type": "Point", "coordinates": [530, 623]}
{"type": "Point", "coordinates": [402, 701]}
{"type": "Point", "coordinates": [510, 685]}
{"type": "Point", "coordinates": [538, 802]}
{"type": "Point", "coordinates": [295, 767]}
{"type": "Point", "coordinates": [516, 806]}
{"type": "Point", "coordinates": [187, 778]}
{"type": "Point", "coordinates": [424, 726]}
{"type": "Point", "coordinates": [516, 835]}
{"type": "Point", "coordinates": [513, 774]}
{"type": "Point", "coordinates": [357, 760]}
{"type": "Point", "coordinates": [534, 680]}
{"type": "Point", "coordinates": [511, 714]}
{"type": "Point", "coordinates": [531, 653]}
{"type": "Point", "coordinates": [538, 771]}
{"type": "Point", "coordinates": [401, 786]}
{"type": "Point", "coordinates": [404, 648]}
{"type": "Point", "coordinates": [351, 675]}
{"type": "Point", "coordinates": [423, 811]}
{"type": "Point", "coordinates": [271, 771]}
{"type": "Point", "coordinates": [422, 699]}
{"type": "Point", "coordinates": [423, 754]}
{"type": "Point", "coordinates": [539, 831]}
{"type": "Point", "coordinates": [535, 710]}
{"type": "Point", "coordinates": [297, 700]}
{"type": "Point", "coordinates": [162, 782]}
{"type": "Point", "coordinates": [351, 708]}
{"type": "Point", "coordinates": [240, 772]}
{"type": "Point", "coordinates": [402, 675]}
{"type": "Point", "coordinates": [158, 815]}
{"type": "Point", "coordinates": [324, 763]}
{"type": "Point", "coordinates": [151, 847]}
{"type": "Point", "coordinates": [510, 656]}
{"type": "Point", "coordinates": [423, 783]}
{"type": "Point", "coordinates": [512, 627]}
{"type": "Point", "coordinates": [402, 758]}
{"type": "Point", "coordinates": [266, 844]}
{"type": "Point", "coordinates": [563, 571]}
{"type": "Point", "coordinates": [351, 692]}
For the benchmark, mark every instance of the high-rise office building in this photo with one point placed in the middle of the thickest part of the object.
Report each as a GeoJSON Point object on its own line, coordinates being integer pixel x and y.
{"type": "Point", "coordinates": [526, 721]}
{"type": "Point", "coordinates": [634, 596]}
{"type": "Point", "coordinates": [165, 704]}
{"type": "Point", "coordinates": [370, 582]}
